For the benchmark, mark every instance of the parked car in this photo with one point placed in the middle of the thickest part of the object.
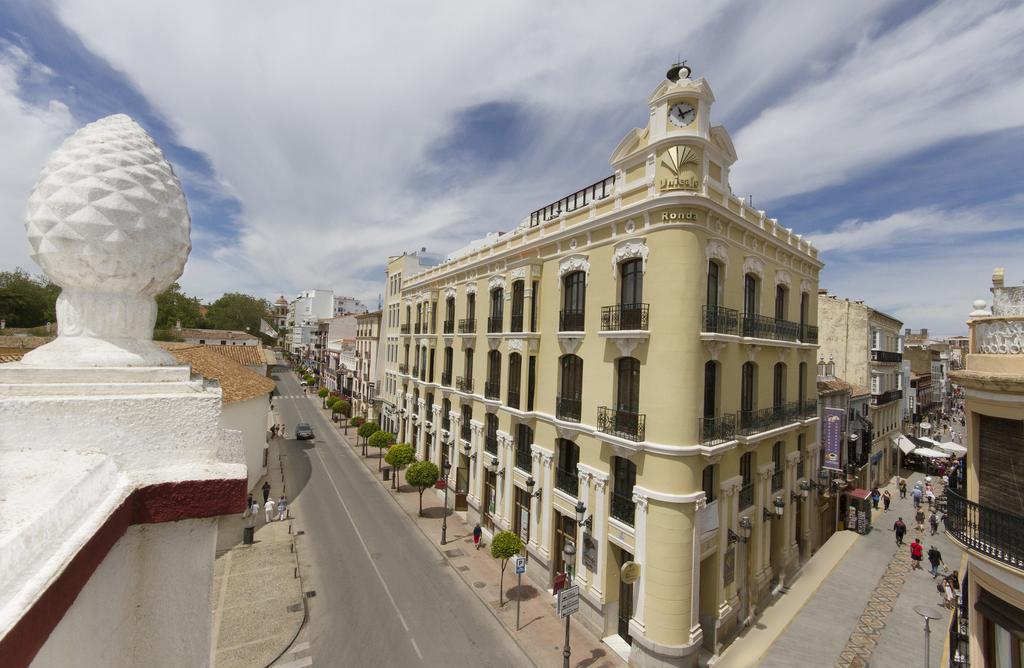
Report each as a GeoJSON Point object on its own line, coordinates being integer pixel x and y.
{"type": "Point", "coordinates": [303, 431]}
{"type": "Point", "coordinates": [302, 383]}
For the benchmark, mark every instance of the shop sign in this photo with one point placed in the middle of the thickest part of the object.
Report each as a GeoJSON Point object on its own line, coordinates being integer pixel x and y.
{"type": "Point", "coordinates": [679, 216]}
{"type": "Point", "coordinates": [832, 438]}
{"type": "Point", "coordinates": [729, 566]}
{"type": "Point", "coordinates": [589, 552]}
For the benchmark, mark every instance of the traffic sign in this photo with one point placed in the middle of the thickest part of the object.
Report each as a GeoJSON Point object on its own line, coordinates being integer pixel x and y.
{"type": "Point", "coordinates": [568, 601]}
{"type": "Point", "coordinates": [520, 565]}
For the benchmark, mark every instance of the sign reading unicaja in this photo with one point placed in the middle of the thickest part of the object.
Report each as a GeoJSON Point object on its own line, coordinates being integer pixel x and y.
{"type": "Point", "coordinates": [681, 163]}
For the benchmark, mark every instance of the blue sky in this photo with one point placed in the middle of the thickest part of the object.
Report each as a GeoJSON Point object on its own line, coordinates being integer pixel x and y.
{"type": "Point", "coordinates": [313, 140]}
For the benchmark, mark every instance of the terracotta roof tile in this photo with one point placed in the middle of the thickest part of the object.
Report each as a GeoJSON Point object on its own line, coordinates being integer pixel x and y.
{"type": "Point", "coordinates": [244, 355]}
{"type": "Point", "coordinates": [236, 382]}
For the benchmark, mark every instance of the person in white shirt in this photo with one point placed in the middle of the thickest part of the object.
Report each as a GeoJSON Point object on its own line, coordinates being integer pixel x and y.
{"type": "Point", "coordinates": [268, 509]}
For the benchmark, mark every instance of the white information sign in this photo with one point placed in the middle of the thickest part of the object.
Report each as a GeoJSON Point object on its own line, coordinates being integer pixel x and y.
{"type": "Point", "coordinates": [568, 601]}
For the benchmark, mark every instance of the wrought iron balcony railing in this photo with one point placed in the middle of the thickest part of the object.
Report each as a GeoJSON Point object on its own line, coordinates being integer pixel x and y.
{"type": "Point", "coordinates": [403, 369]}
{"type": "Point", "coordinates": [776, 481]}
{"type": "Point", "coordinates": [763, 327]}
{"type": "Point", "coordinates": [569, 203]}
{"type": "Point", "coordinates": [886, 397]}
{"type": "Point", "coordinates": [570, 321]}
{"type": "Point", "coordinates": [808, 408]}
{"type": "Point", "coordinates": [752, 422]}
{"type": "Point", "coordinates": [988, 531]}
{"type": "Point", "coordinates": [719, 320]}
{"type": "Point", "coordinates": [808, 334]}
{"type": "Point", "coordinates": [492, 390]}
{"type": "Point", "coordinates": [513, 399]}
{"type": "Point", "coordinates": [516, 325]}
{"type": "Point", "coordinates": [449, 326]}
{"type": "Point", "coordinates": [466, 432]}
{"type": "Point", "coordinates": [446, 378]}
{"type": "Point", "coordinates": [746, 496]}
{"type": "Point", "coordinates": [404, 329]}
{"type": "Point", "coordinates": [624, 424]}
{"type": "Point", "coordinates": [567, 481]}
{"type": "Point", "coordinates": [568, 408]}
{"type": "Point", "coordinates": [524, 459]}
{"type": "Point", "coordinates": [467, 326]}
{"type": "Point", "coordinates": [623, 508]}
{"type": "Point", "coordinates": [624, 317]}
{"type": "Point", "coordinates": [886, 356]}
{"type": "Point", "coordinates": [717, 429]}
{"type": "Point", "coordinates": [491, 444]}
{"type": "Point", "coordinates": [494, 324]}
{"type": "Point", "coordinates": [464, 384]}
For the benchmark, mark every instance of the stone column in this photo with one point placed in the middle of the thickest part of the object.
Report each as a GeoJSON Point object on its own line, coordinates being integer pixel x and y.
{"type": "Point", "coordinates": [421, 435]}
{"type": "Point", "coordinates": [435, 413]}
{"type": "Point", "coordinates": [792, 546]}
{"type": "Point", "coordinates": [581, 573]}
{"type": "Point", "coordinates": [600, 525]}
{"type": "Point", "coordinates": [476, 487]}
{"type": "Point", "coordinates": [508, 453]}
{"type": "Point", "coordinates": [547, 504]}
{"type": "Point", "coordinates": [812, 529]}
{"type": "Point", "coordinates": [696, 633]}
{"type": "Point", "coordinates": [640, 556]}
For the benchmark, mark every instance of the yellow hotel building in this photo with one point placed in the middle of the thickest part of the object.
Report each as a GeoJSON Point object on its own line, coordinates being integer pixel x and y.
{"type": "Point", "coordinates": [630, 372]}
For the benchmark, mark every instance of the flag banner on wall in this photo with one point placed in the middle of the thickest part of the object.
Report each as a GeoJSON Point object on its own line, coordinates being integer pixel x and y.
{"type": "Point", "coordinates": [832, 439]}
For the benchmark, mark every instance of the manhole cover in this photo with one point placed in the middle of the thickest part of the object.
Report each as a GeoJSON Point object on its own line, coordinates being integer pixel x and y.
{"type": "Point", "coordinates": [463, 568]}
{"type": "Point", "coordinates": [295, 607]}
{"type": "Point", "coordinates": [479, 585]}
{"type": "Point", "coordinates": [454, 553]}
{"type": "Point", "coordinates": [311, 594]}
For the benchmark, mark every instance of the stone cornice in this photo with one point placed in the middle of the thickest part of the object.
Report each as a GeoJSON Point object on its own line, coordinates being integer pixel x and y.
{"type": "Point", "coordinates": [988, 381]}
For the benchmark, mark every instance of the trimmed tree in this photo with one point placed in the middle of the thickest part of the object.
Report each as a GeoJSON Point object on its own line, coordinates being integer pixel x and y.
{"type": "Point", "coordinates": [323, 395]}
{"type": "Point", "coordinates": [504, 546]}
{"type": "Point", "coordinates": [381, 440]}
{"type": "Point", "coordinates": [399, 456]}
{"type": "Point", "coordinates": [355, 422]}
{"type": "Point", "coordinates": [343, 407]}
{"type": "Point", "coordinates": [367, 430]}
{"type": "Point", "coordinates": [308, 379]}
{"type": "Point", "coordinates": [422, 475]}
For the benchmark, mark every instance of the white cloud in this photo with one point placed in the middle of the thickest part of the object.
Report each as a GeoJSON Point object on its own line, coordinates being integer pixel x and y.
{"type": "Point", "coordinates": [954, 70]}
{"type": "Point", "coordinates": [28, 134]}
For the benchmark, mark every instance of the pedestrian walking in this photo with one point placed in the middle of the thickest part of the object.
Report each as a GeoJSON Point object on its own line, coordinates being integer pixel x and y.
{"type": "Point", "coordinates": [949, 598]}
{"type": "Point", "coordinates": [901, 530]}
{"type": "Point", "coordinates": [875, 496]}
{"type": "Point", "coordinates": [268, 509]}
{"type": "Point", "coordinates": [254, 512]}
{"type": "Point", "coordinates": [266, 491]}
{"type": "Point", "coordinates": [916, 496]}
{"type": "Point", "coordinates": [477, 533]}
{"type": "Point", "coordinates": [930, 495]}
{"type": "Point", "coordinates": [919, 519]}
{"type": "Point", "coordinates": [886, 500]}
{"type": "Point", "coordinates": [916, 553]}
{"type": "Point", "coordinates": [934, 558]}
{"type": "Point", "coordinates": [903, 488]}
{"type": "Point", "coordinates": [282, 508]}
{"type": "Point", "coordinates": [933, 521]}
{"type": "Point", "coordinates": [248, 505]}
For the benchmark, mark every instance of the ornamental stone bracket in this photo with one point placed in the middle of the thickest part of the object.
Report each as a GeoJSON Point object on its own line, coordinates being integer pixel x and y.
{"type": "Point", "coordinates": [628, 250]}
{"type": "Point", "coordinates": [753, 265]}
{"type": "Point", "coordinates": [570, 342]}
{"type": "Point", "coordinates": [717, 250]}
{"type": "Point", "coordinates": [496, 282]}
{"type": "Point", "coordinates": [572, 264]}
{"type": "Point", "coordinates": [782, 277]}
{"type": "Point", "coordinates": [493, 340]}
{"type": "Point", "coordinates": [714, 349]}
{"type": "Point", "coordinates": [627, 342]}
{"type": "Point", "coordinates": [471, 288]}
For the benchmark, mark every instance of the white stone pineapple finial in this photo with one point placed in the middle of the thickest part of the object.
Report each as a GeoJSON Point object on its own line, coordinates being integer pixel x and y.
{"type": "Point", "coordinates": [107, 221]}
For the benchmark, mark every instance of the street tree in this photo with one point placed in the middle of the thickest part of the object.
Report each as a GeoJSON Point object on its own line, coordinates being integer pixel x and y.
{"type": "Point", "coordinates": [422, 475]}
{"type": "Point", "coordinates": [356, 422]}
{"type": "Point", "coordinates": [504, 546]}
{"type": "Point", "coordinates": [366, 430]}
{"type": "Point", "coordinates": [27, 300]}
{"type": "Point", "coordinates": [323, 395]}
{"type": "Point", "coordinates": [399, 456]}
{"type": "Point", "coordinates": [174, 306]}
{"type": "Point", "coordinates": [237, 311]}
{"type": "Point", "coordinates": [381, 440]}
{"type": "Point", "coordinates": [343, 407]}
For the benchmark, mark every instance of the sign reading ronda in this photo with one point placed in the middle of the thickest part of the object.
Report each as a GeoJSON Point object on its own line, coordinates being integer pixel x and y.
{"type": "Point", "coordinates": [680, 216]}
{"type": "Point", "coordinates": [680, 168]}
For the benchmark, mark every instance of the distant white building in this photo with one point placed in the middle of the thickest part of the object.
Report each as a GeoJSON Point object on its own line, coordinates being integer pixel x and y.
{"type": "Point", "coordinates": [343, 305]}
{"type": "Point", "coordinates": [216, 337]}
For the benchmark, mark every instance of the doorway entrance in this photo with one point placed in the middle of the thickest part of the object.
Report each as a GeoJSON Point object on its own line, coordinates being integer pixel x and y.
{"type": "Point", "coordinates": [625, 599]}
{"type": "Point", "coordinates": [490, 483]}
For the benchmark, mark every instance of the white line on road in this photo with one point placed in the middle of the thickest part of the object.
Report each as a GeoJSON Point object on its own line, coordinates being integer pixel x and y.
{"type": "Point", "coordinates": [366, 549]}
{"type": "Point", "coordinates": [298, 647]}
{"type": "Point", "coordinates": [300, 663]}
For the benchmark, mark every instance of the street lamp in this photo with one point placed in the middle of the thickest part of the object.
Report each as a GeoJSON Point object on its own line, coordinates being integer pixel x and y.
{"type": "Point", "coordinates": [581, 512]}
{"type": "Point", "coordinates": [569, 554]}
{"type": "Point", "coordinates": [929, 614]}
{"type": "Point", "coordinates": [778, 506]}
{"type": "Point", "coordinates": [446, 466]}
{"type": "Point", "coordinates": [530, 484]}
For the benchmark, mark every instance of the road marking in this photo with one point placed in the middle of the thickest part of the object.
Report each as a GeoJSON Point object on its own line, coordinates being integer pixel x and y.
{"type": "Point", "coordinates": [366, 549]}
{"type": "Point", "coordinates": [300, 663]}
{"type": "Point", "coordinates": [298, 647]}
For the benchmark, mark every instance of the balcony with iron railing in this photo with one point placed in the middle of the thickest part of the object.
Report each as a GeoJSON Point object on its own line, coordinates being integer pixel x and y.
{"type": "Point", "coordinates": [492, 390]}
{"type": "Point", "coordinates": [886, 356]}
{"type": "Point", "coordinates": [567, 481]}
{"type": "Point", "coordinates": [569, 203]}
{"type": "Point", "coordinates": [516, 323]}
{"type": "Point", "coordinates": [494, 324]}
{"type": "Point", "coordinates": [624, 424]}
{"type": "Point", "coordinates": [467, 326]}
{"type": "Point", "coordinates": [466, 432]}
{"type": "Point", "coordinates": [752, 422]}
{"type": "Point", "coordinates": [746, 496]}
{"type": "Point", "coordinates": [808, 408]}
{"type": "Point", "coordinates": [719, 320]}
{"type": "Point", "coordinates": [464, 384]}
{"type": "Point", "coordinates": [885, 397]}
{"type": "Point", "coordinates": [491, 444]}
{"type": "Point", "coordinates": [448, 326]}
{"type": "Point", "coordinates": [513, 399]}
{"type": "Point", "coordinates": [715, 430]}
{"type": "Point", "coordinates": [416, 371]}
{"type": "Point", "coordinates": [403, 369]}
{"type": "Point", "coordinates": [763, 327]}
{"type": "Point", "coordinates": [446, 378]}
{"type": "Point", "coordinates": [623, 508]}
{"type": "Point", "coordinates": [988, 531]}
{"type": "Point", "coordinates": [404, 329]}
{"type": "Point", "coordinates": [524, 459]}
{"type": "Point", "coordinates": [568, 408]}
{"type": "Point", "coordinates": [570, 321]}
{"type": "Point", "coordinates": [809, 334]}
{"type": "Point", "coordinates": [417, 328]}
{"type": "Point", "coordinates": [624, 317]}
{"type": "Point", "coordinates": [777, 480]}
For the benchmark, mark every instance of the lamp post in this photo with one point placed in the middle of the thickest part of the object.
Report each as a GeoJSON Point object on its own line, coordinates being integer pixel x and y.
{"type": "Point", "coordinates": [568, 554]}
{"type": "Point", "coordinates": [446, 466]}
{"type": "Point", "coordinates": [929, 614]}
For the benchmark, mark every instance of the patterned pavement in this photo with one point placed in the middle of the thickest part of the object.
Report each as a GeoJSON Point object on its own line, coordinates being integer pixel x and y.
{"type": "Point", "coordinates": [865, 636]}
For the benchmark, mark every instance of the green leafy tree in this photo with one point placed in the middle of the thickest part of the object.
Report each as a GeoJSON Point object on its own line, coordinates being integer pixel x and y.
{"type": "Point", "coordinates": [174, 306]}
{"type": "Point", "coordinates": [504, 546]}
{"type": "Point", "coordinates": [237, 311]}
{"type": "Point", "coordinates": [366, 430]}
{"type": "Point", "coordinates": [309, 379]}
{"type": "Point", "coordinates": [323, 395]}
{"type": "Point", "coordinates": [356, 422]}
{"type": "Point", "coordinates": [343, 407]}
{"type": "Point", "coordinates": [27, 300]}
{"type": "Point", "coordinates": [422, 475]}
{"type": "Point", "coordinates": [381, 440]}
{"type": "Point", "coordinates": [399, 456]}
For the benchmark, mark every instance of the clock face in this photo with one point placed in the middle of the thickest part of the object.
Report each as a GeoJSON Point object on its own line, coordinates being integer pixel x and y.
{"type": "Point", "coordinates": [681, 114]}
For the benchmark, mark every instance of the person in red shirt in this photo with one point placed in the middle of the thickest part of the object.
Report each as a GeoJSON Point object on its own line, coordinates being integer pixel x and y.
{"type": "Point", "coordinates": [916, 553]}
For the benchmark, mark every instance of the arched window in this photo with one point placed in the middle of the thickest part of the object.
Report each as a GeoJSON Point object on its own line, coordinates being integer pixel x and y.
{"type": "Point", "coordinates": [449, 358]}
{"type": "Point", "coordinates": [494, 320]}
{"type": "Point", "coordinates": [515, 374]}
{"type": "Point", "coordinates": [518, 306]}
{"type": "Point", "coordinates": [566, 474]}
{"type": "Point", "coordinates": [746, 480]}
{"type": "Point", "coordinates": [623, 481]}
{"type": "Point", "coordinates": [801, 393]}
{"type": "Point", "coordinates": [491, 433]}
{"type": "Point", "coordinates": [446, 408]}
{"type": "Point", "coordinates": [779, 385]}
{"type": "Point", "coordinates": [524, 439]}
{"type": "Point", "coordinates": [781, 301]}
{"type": "Point", "coordinates": [492, 388]}
{"type": "Point", "coordinates": [449, 315]}
{"type": "Point", "coordinates": [709, 482]}
{"type": "Point", "coordinates": [748, 396]}
{"type": "Point", "coordinates": [751, 303]}
{"type": "Point", "coordinates": [574, 294]}
{"type": "Point", "coordinates": [710, 389]}
{"type": "Point", "coordinates": [778, 453]}
{"type": "Point", "coordinates": [631, 295]}
{"type": "Point", "coordinates": [714, 292]}
{"type": "Point", "coordinates": [467, 419]}
{"type": "Point", "coordinates": [570, 389]}
{"type": "Point", "coordinates": [627, 389]}
{"type": "Point", "coordinates": [468, 369]}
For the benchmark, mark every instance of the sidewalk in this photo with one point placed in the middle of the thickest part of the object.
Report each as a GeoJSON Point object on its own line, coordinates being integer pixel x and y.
{"type": "Point", "coordinates": [257, 592]}
{"type": "Point", "coordinates": [541, 633]}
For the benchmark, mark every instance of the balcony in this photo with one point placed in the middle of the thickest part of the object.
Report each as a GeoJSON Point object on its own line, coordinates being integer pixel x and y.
{"type": "Point", "coordinates": [491, 444]}
{"type": "Point", "coordinates": [993, 533]}
{"type": "Point", "coordinates": [492, 390]}
{"type": "Point", "coordinates": [466, 432]}
{"type": "Point", "coordinates": [808, 408]}
{"type": "Point", "coordinates": [777, 480]}
{"type": "Point", "coordinates": [404, 329]}
{"type": "Point", "coordinates": [630, 426]}
{"type": "Point", "coordinates": [716, 430]}
{"type": "Point", "coordinates": [464, 384]}
{"type": "Point", "coordinates": [886, 397]}
{"type": "Point", "coordinates": [449, 326]}
{"type": "Point", "coordinates": [513, 399]}
{"type": "Point", "coordinates": [446, 378]}
{"type": "Point", "coordinates": [569, 203]}
{"type": "Point", "coordinates": [752, 422]}
{"type": "Point", "coordinates": [567, 481]}
{"type": "Point", "coordinates": [762, 327]}
{"type": "Point", "coordinates": [416, 371]}
{"type": "Point", "coordinates": [417, 328]}
{"type": "Point", "coordinates": [403, 369]}
{"type": "Point", "coordinates": [624, 317]}
{"type": "Point", "coordinates": [886, 356]}
{"type": "Point", "coordinates": [746, 496]}
{"type": "Point", "coordinates": [494, 324]}
{"type": "Point", "coordinates": [809, 334]}
{"type": "Point", "coordinates": [570, 321]}
{"type": "Point", "coordinates": [623, 508]}
{"type": "Point", "coordinates": [467, 326]}
{"type": "Point", "coordinates": [524, 460]}
{"type": "Point", "coordinates": [517, 322]}
{"type": "Point", "coordinates": [719, 320]}
{"type": "Point", "coordinates": [568, 408]}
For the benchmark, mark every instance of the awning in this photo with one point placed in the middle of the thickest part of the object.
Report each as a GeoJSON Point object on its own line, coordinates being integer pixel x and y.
{"type": "Point", "coordinates": [955, 448]}
{"type": "Point", "coordinates": [931, 441]}
{"type": "Point", "coordinates": [903, 443]}
{"type": "Point", "coordinates": [928, 452]}
{"type": "Point", "coordinates": [859, 493]}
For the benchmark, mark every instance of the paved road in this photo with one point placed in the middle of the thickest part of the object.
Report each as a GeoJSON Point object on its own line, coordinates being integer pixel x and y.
{"type": "Point", "coordinates": [384, 596]}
